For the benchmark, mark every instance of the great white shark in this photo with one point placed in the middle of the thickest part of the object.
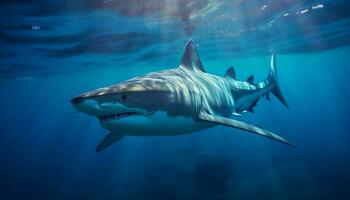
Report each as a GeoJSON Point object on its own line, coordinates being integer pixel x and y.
{"type": "Point", "coordinates": [178, 101]}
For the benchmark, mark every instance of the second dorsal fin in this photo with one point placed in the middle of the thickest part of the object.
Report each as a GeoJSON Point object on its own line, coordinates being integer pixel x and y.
{"type": "Point", "coordinates": [190, 59]}
{"type": "Point", "coordinates": [230, 73]}
{"type": "Point", "coordinates": [250, 79]}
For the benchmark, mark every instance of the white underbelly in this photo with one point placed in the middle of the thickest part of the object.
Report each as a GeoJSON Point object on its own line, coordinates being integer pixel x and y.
{"type": "Point", "coordinates": [158, 124]}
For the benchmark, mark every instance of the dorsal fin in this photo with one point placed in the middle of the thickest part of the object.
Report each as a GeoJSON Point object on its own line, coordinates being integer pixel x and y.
{"type": "Point", "coordinates": [230, 73]}
{"type": "Point", "coordinates": [250, 79]}
{"type": "Point", "coordinates": [190, 58]}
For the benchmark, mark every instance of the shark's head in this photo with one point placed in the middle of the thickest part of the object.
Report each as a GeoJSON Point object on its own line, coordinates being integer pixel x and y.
{"type": "Point", "coordinates": [133, 104]}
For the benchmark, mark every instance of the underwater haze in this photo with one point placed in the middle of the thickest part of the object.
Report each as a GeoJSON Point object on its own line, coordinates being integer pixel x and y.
{"type": "Point", "coordinates": [53, 50]}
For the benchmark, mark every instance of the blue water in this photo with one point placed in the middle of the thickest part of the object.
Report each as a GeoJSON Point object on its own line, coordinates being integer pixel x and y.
{"type": "Point", "coordinates": [54, 50]}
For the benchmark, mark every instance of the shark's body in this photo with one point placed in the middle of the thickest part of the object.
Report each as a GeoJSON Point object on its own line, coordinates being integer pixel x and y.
{"type": "Point", "coordinates": [177, 101]}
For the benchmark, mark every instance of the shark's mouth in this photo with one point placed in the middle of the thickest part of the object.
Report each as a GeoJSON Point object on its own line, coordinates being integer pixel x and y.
{"type": "Point", "coordinates": [117, 116]}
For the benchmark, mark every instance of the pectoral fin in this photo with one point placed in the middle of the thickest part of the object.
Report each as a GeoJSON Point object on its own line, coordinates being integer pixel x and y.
{"type": "Point", "coordinates": [243, 126]}
{"type": "Point", "coordinates": [108, 140]}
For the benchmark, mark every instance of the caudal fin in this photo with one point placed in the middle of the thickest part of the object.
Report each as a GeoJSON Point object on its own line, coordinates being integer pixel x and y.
{"type": "Point", "coordinates": [276, 90]}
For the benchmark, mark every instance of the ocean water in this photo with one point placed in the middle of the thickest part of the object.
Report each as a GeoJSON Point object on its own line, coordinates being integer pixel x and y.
{"type": "Point", "coordinates": [52, 51]}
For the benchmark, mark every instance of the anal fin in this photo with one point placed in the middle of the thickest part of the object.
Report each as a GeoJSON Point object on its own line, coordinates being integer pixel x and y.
{"type": "Point", "coordinates": [251, 108]}
{"type": "Point", "coordinates": [243, 126]}
{"type": "Point", "coordinates": [108, 141]}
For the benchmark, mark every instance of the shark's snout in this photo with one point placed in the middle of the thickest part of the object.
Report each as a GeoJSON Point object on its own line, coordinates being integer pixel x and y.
{"type": "Point", "coordinates": [86, 105]}
{"type": "Point", "coordinates": [89, 102]}
{"type": "Point", "coordinates": [77, 100]}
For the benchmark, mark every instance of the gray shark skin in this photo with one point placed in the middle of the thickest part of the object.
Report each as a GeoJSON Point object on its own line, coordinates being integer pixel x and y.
{"type": "Point", "coordinates": [177, 101]}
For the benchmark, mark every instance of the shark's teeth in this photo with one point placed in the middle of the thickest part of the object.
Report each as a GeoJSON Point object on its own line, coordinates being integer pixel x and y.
{"type": "Point", "coordinates": [117, 116]}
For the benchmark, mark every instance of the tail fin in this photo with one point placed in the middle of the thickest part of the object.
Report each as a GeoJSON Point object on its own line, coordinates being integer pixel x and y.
{"type": "Point", "coordinates": [276, 90]}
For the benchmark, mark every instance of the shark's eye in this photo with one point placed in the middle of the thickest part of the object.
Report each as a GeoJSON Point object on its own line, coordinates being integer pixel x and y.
{"type": "Point", "coordinates": [124, 97]}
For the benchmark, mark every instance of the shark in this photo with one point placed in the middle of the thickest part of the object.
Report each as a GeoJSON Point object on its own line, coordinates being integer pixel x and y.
{"type": "Point", "coordinates": [178, 101]}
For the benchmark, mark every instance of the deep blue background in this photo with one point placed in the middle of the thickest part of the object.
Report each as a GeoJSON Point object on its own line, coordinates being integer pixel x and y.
{"type": "Point", "coordinates": [47, 149]}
